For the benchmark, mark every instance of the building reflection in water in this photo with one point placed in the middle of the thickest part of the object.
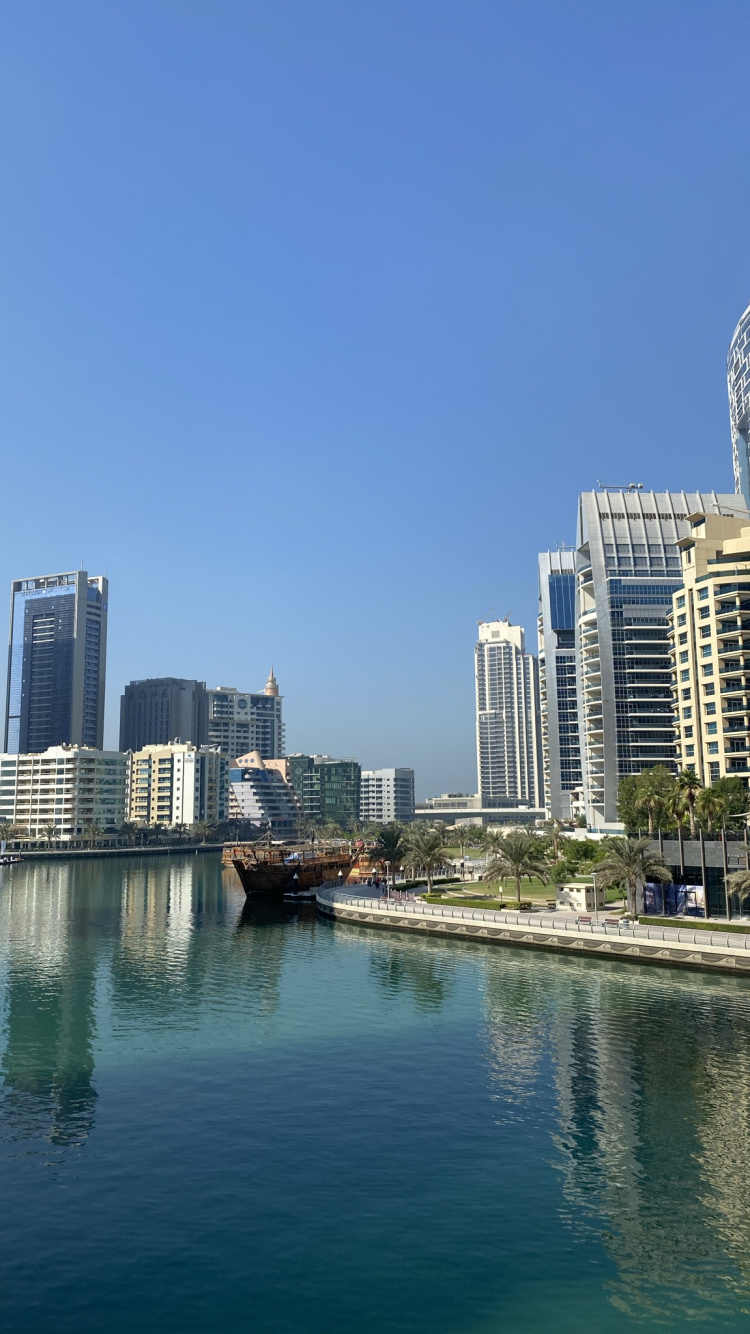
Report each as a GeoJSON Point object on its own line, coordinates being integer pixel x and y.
{"type": "Point", "coordinates": [47, 1061]}
{"type": "Point", "coordinates": [651, 1072]}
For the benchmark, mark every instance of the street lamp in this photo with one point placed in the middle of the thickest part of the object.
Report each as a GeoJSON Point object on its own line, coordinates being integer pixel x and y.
{"type": "Point", "coordinates": [387, 880]}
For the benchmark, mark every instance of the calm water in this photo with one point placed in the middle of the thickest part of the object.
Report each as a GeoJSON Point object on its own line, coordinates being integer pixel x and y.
{"type": "Point", "coordinates": [219, 1120]}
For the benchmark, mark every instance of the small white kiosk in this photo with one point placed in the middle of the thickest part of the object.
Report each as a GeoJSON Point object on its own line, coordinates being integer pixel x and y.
{"type": "Point", "coordinates": [580, 898]}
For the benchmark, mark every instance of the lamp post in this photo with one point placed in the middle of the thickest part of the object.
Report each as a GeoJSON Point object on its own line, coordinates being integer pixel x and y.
{"type": "Point", "coordinates": [387, 880]}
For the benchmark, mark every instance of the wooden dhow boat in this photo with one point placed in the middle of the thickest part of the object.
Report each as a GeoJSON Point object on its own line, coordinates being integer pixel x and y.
{"type": "Point", "coordinates": [287, 868]}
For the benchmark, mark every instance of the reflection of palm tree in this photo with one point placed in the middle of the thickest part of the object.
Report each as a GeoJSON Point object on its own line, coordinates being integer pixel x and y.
{"type": "Point", "coordinates": [421, 970]}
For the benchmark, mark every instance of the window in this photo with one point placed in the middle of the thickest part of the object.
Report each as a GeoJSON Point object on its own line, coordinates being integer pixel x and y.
{"type": "Point", "coordinates": [705, 613]}
{"type": "Point", "coordinates": [682, 620]}
{"type": "Point", "coordinates": [690, 751]}
{"type": "Point", "coordinates": [686, 694]}
{"type": "Point", "coordinates": [685, 656]}
{"type": "Point", "coordinates": [712, 729]}
{"type": "Point", "coordinates": [705, 650]}
{"type": "Point", "coordinates": [703, 594]}
{"type": "Point", "coordinates": [688, 732]}
{"type": "Point", "coordinates": [685, 676]}
{"type": "Point", "coordinates": [713, 747]}
{"type": "Point", "coordinates": [705, 632]}
{"type": "Point", "coordinates": [713, 772]}
{"type": "Point", "coordinates": [687, 713]}
{"type": "Point", "coordinates": [710, 708]}
{"type": "Point", "coordinates": [683, 639]}
{"type": "Point", "coordinates": [681, 600]}
{"type": "Point", "coordinates": [708, 669]}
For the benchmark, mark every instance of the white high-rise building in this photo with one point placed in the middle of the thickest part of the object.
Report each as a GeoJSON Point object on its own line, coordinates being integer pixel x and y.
{"type": "Point", "coordinates": [738, 385]}
{"type": "Point", "coordinates": [509, 750]}
{"type": "Point", "coordinates": [386, 795]}
{"type": "Point", "coordinates": [627, 569]}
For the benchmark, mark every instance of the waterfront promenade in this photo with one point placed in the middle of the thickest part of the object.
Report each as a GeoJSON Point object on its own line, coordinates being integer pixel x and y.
{"type": "Point", "coordinates": [602, 938]}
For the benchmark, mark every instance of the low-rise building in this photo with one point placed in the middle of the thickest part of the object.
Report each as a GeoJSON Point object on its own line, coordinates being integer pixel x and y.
{"type": "Point", "coordinates": [260, 793]}
{"type": "Point", "coordinates": [178, 784]}
{"type": "Point", "coordinates": [710, 645]}
{"type": "Point", "coordinates": [69, 789]}
{"type": "Point", "coordinates": [386, 795]}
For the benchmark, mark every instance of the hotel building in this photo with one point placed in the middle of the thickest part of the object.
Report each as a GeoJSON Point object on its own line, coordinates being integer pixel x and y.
{"type": "Point", "coordinates": [259, 792]}
{"type": "Point", "coordinates": [738, 385]}
{"type": "Point", "coordinates": [711, 648]}
{"type": "Point", "coordinates": [628, 569]}
{"type": "Point", "coordinates": [56, 662]}
{"type": "Point", "coordinates": [70, 789]}
{"type": "Point", "coordinates": [240, 721]}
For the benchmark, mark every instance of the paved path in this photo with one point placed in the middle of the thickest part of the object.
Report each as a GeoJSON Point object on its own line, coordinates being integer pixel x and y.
{"type": "Point", "coordinates": [683, 947]}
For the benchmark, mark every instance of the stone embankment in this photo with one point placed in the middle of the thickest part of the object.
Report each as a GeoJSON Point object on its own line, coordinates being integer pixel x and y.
{"type": "Point", "coordinates": [56, 854]}
{"type": "Point", "coordinates": [678, 946]}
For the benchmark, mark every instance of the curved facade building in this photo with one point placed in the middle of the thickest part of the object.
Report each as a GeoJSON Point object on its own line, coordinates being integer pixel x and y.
{"type": "Point", "coordinates": [738, 384]}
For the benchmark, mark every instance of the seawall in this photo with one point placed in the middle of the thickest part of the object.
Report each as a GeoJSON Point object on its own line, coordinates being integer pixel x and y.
{"type": "Point", "coordinates": [676, 947]}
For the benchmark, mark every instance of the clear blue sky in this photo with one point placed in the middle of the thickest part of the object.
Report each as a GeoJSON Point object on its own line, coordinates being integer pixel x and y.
{"type": "Point", "coordinates": [316, 316]}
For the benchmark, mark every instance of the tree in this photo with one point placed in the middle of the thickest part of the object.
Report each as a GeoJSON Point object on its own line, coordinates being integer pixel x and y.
{"type": "Point", "coordinates": [553, 828]}
{"type": "Point", "coordinates": [627, 809]}
{"type": "Point", "coordinates": [654, 789]}
{"type": "Point", "coordinates": [49, 833]}
{"type": "Point", "coordinates": [390, 845]}
{"type": "Point", "coordinates": [179, 830]}
{"type": "Point", "coordinates": [129, 829]}
{"type": "Point", "coordinates": [202, 829]}
{"type": "Point", "coordinates": [493, 841]}
{"type": "Point", "coordinates": [738, 882]}
{"type": "Point", "coordinates": [92, 832]}
{"type": "Point", "coordinates": [522, 854]}
{"type": "Point", "coordinates": [424, 849]}
{"type": "Point", "coordinates": [727, 798]}
{"type": "Point", "coordinates": [690, 785]}
{"type": "Point", "coordinates": [628, 862]}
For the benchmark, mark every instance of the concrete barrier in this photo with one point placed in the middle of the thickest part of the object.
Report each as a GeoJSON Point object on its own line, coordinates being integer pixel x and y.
{"type": "Point", "coordinates": [677, 947]}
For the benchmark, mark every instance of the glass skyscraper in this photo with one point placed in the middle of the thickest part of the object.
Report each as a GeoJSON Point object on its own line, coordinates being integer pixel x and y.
{"type": "Point", "coordinates": [561, 750]}
{"type": "Point", "coordinates": [738, 384]}
{"type": "Point", "coordinates": [56, 662]}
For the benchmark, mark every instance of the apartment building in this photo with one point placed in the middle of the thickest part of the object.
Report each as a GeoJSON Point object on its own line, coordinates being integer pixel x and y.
{"type": "Point", "coordinates": [66, 789]}
{"type": "Point", "coordinates": [178, 784]}
{"type": "Point", "coordinates": [386, 795]}
{"type": "Point", "coordinates": [241, 721]}
{"type": "Point", "coordinates": [259, 792]}
{"type": "Point", "coordinates": [509, 739]}
{"type": "Point", "coordinates": [710, 641]}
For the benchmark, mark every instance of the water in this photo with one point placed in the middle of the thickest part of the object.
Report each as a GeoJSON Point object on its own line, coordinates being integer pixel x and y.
{"type": "Point", "coordinates": [214, 1119]}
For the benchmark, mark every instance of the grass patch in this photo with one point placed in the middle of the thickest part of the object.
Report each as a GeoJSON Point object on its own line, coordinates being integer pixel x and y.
{"type": "Point", "coordinates": [699, 924]}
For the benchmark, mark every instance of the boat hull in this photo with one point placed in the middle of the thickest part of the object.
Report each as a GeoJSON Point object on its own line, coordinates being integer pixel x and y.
{"type": "Point", "coordinates": [289, 877]}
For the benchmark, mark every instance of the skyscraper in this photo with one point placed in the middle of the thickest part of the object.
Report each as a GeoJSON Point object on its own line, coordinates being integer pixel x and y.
{"type": "Point", "coordinates": [561, 750]}
{"type": "Point", "coordinates": [163, 709]}
{"type": "Point", "coordinates": [738, 384]}
{"type": "Point", "coordinates": [627, 569]}
{"type": "Point", "coordinates": [56, 662]}
{"type": "Point", "coordinates": [508, 728]}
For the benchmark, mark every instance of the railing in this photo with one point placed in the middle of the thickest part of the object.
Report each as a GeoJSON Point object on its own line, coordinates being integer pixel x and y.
{"type": "Point", "coordinates": [560, 922]}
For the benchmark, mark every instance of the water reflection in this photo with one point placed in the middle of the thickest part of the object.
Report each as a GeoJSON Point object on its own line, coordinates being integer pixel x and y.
{"type": "Point", "coordinates": [49, 1002]}
{"type": "Point", "coordinates": [651, 1073]}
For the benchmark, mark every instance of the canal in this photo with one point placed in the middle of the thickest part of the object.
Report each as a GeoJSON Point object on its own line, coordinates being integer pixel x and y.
{"type": "Point", "coordinates": [232, 1119]}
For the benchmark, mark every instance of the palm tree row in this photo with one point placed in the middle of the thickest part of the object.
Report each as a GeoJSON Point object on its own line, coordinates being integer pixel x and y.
{"type": "Point", "coordinates": [659, 800]}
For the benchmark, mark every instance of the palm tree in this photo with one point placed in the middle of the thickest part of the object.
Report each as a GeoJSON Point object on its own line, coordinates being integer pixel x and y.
{"type": "Point", "coordinates": [424, 848]}
{"type": "Point", "coordinates": [629, 862]}
{"type": "Point", "coordinates": [711, 806]}
{"type": "Point", "coordinates": [202, 829]}
{"type": "Point", "coordinates": [521, 854]}
{"type": "Point", "coordinates": [738, 882]}
{"type": "Point", "coordinates": [653, 790]}
{"type": "Point", "coordinates": [690, 785]}
{"type": "Point", "coordinates": [49, 833]}
{"type": "Point", "coordinates": [553, 828]}
{"type": "Point", "coordinates": [92, 832]}
{"type": "Point", "coordinates": [390, 845]}
{"type": "Point", "coordinates": [129, 829]}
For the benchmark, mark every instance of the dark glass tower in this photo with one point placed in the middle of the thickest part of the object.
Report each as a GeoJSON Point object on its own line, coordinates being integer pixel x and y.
{"type": "Point", "coordinates": [56, 662]}
{"type": "Point", "coordinates": [163, 709]}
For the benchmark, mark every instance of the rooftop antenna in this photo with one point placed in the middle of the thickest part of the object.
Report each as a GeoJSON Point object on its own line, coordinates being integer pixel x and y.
{"type": "Point", "coordinates": [631, 486]}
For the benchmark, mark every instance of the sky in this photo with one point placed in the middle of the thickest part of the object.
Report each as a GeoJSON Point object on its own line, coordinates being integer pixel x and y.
{"type": "Point", "coordinates": [317, 316]}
